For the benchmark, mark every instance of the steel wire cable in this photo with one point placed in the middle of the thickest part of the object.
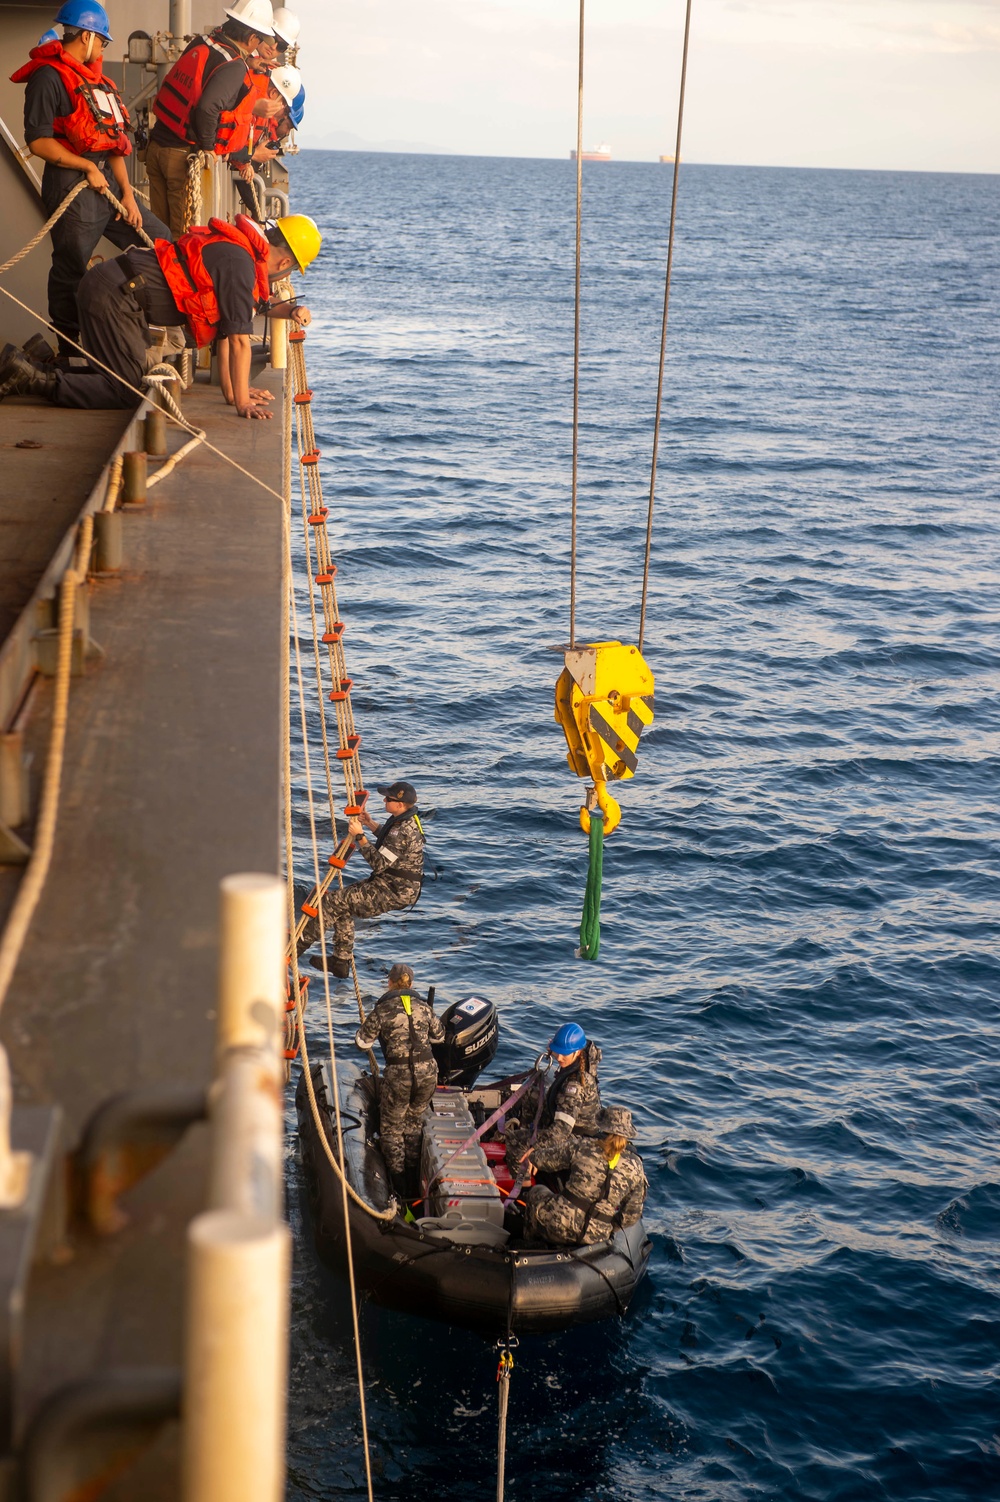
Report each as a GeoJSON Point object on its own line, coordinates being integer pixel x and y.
{"type": "Point", "coordinates": [663, 326]}
{"type": "Point", "coordinates": [576, 337]}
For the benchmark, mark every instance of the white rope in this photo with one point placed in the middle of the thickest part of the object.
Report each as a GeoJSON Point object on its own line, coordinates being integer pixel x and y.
{"type": "Point", "coordinates": [171, 416]}
{"type": "Point", "coordinates": [321, 1131]}
{"type": "Point", "coordinates": [30, 889]}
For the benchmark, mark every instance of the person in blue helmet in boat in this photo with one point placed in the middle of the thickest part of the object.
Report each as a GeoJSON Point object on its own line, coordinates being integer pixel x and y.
{"type": "Point", "coordinates": [572, 1096]}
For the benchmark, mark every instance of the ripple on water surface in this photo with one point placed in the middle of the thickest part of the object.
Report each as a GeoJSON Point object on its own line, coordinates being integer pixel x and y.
{"type": "Point", "coordinates": [797, 987]}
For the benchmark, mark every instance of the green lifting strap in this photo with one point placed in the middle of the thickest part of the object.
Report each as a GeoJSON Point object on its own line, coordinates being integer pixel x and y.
{"type": "Point", "coordinates": [590, 925]}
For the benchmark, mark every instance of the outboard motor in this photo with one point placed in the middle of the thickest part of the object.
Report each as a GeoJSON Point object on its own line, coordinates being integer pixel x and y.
{"type": "Point", "coordinates": [472, 1033]}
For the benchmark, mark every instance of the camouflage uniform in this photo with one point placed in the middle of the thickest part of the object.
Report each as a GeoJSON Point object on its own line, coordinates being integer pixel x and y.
{"type": "Point", "coordinates": [410, 1073]}
{"type": "Point", "coordinates": [597, 1199]}
{"type": "Point", "coordinates": [572, 1100]}
{"type": "Point", "coordinates": [397, 860]}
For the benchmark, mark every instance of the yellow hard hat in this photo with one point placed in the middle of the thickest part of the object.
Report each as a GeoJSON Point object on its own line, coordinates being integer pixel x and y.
{"type": "Point", "coordinates": [302, 238]}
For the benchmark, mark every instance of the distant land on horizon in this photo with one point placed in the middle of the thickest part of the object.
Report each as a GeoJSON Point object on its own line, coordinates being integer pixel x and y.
{"type": "Point", "coordinates": [345, 140]}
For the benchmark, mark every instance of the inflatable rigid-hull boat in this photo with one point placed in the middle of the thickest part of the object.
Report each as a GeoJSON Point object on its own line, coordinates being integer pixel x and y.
{"type": "Point", "coordinates": [418, 1269]}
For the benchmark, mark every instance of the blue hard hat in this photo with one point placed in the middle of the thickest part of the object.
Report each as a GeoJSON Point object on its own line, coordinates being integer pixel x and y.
{"type": "Point", "coordinates": [569, 1039]}
{"type": "Point", "coordinates": [47, 36]}
{"type": "Point", "coordinates": [297, 108]}
{"type": "Point", "coordinates": [85, 15]}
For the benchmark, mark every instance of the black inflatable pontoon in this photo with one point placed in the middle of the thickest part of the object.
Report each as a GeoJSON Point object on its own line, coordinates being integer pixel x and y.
{"type": "Point", "coordinates": [471, 1278]}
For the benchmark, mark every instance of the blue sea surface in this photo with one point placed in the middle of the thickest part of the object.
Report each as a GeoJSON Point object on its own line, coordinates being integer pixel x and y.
{"type": "Point", "coordinates": [797, 987]}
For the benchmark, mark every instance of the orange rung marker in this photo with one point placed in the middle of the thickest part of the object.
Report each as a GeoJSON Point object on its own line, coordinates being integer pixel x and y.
{"type": "Point", "coordinates": [353, 742]}
{"type": "Point", "coordinates": [324, 579]}
{"type": "Point", "coordinates": [335, 697]}
{"type": "Point", "coordinates": [291, 1053]}
{"type": "Point", "coordinates": [298, 336]}
{"type": "Point", "coordinates": [310, 912]}
{"type": "Point", "coordinates": [303, 398]}
{"type": "Point", "coordinates": [334, 635]}
{"type": "Point", "coordinates": [318, 518]}
{"type": "Point", "coordinates": [312, 457]}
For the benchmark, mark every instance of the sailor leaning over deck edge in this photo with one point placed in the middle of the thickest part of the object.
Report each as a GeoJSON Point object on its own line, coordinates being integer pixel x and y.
{"type": "Point", "coordinates": [211, 282]}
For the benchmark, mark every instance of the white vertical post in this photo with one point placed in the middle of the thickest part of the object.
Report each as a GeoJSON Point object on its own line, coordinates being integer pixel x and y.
{"type": "Point", "coordinates": [252, 964]}
{"type": "Point", "coordinates": [236, 1366]}
{"type": "Point", "coordinates": [279, 343]}
{"type": "Point", "coordinates": [238, 1257]}
{"type": "Point", "coordinates": [180, 19]}
{"type": "Point", "coordinates": [279, 330]}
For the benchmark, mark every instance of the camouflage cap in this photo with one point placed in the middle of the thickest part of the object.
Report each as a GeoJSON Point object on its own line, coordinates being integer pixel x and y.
{"type": "Point", "coordinates": [615, 1121]}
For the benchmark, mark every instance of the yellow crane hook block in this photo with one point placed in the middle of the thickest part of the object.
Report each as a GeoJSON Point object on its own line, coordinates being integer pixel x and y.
{"type": "Point", "coordinates": [604, 701]}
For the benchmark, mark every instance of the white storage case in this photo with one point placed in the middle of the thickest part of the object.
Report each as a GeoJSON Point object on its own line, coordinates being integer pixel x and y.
{"type": "Point", "coordinates": [466, 1185]}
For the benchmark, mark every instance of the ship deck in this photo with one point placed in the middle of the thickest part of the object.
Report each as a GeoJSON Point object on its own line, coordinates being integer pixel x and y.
{"type": "Point", "coordinates": [171, 781]}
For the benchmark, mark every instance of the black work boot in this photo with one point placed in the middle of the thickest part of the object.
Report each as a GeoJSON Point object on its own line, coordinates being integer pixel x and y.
{"type": "Point", "coordinates": [336, 966]}
{"type": "Point", "coordinates": [398, 1181]}
{"type": "Point", "coordinates": [39, 351]}
{"type": "Point", "coordinates": [18, 377]}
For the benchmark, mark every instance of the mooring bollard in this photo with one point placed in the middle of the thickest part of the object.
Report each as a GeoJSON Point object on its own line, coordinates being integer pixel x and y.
{"type": "Point", "coordinates": [155, 433]}
{"type": "Point", "coordinates": [108, 531]}
{"type": "Point", "coordinates": [134, 478]}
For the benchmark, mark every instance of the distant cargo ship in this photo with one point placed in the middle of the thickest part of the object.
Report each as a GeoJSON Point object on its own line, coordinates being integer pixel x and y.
{"type": "Point", "coordinates": [596, 154]}
{"type": "Point", "coordinates": [668, 159]}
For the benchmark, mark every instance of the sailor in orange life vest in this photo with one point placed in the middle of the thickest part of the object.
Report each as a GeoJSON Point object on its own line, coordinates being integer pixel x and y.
{"type": "Point", "coordinates": [75, 121]}
{"type": "Point", "coordinates": [264, 139]}
{"type": "Point", "coordinates": [206, 102]}
{"type": "Point", "coordinates": [211, 281]}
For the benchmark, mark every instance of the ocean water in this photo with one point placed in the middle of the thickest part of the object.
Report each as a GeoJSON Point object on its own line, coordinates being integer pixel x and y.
{"type": "Point", "coordinates": [797, 989]}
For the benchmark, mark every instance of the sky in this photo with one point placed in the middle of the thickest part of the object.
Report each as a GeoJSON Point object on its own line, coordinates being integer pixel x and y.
{"type": "Point", "coordinates": [888, 84]}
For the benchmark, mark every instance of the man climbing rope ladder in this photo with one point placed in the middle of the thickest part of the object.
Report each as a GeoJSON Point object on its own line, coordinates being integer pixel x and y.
{"type": "Point", "coordinates": [396, 857]}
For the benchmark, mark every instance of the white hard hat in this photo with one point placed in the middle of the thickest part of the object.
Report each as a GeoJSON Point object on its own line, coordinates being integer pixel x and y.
{"type": "Point", "coordinates": [288, 82]}
{"type": "Point", "coordinates": [286, 24]}
{"type": "Point", "coordinates": [256, 14]}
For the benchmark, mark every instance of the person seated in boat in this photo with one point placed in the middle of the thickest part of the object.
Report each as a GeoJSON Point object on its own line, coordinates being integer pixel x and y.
{"type": "Point", "coordinates": [405, 1026]}
{"type": "Point", "coordinates": [572, 1097]}
{"type": "Point", "coordinates": [396, 856]}
{"type": "Point", "coordinates": [604, 1189]}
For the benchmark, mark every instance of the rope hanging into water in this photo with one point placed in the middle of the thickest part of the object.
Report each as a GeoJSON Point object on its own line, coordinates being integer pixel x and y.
{"type": "Point", "coordinates": [590, 924]}
{"type": "Point", "coordinates": [576, 336]}
{"type": "Point", "coordinates": [504, 1370]}
{"type": "Point", "coordinates": [320, 1127]}
{"type": "Point", "coordinates": [663, 326]}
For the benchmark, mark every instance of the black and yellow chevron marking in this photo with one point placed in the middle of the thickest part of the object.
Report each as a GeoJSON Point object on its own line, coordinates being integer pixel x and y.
{"type": "Point", "coordinates": [619, 732]}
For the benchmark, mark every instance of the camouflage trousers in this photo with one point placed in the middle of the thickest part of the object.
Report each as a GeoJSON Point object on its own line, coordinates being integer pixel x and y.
{"type": "Point", "coordinates": [403, 1099]}
{"type": "Point", "coordinates": [553, 1219]}
{"type": "Point", "coordinates": [362, 899]}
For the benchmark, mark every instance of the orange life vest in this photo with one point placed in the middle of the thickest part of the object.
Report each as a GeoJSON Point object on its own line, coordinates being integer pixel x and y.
{"type": "Point", "coordinates": [185, 83]}
{"type": "Point", "coordinates": [248, 127]}
{"type": "Point", "coordinates": [183, 266]}
{"type": "Point", "coordinates": [98, 119]}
